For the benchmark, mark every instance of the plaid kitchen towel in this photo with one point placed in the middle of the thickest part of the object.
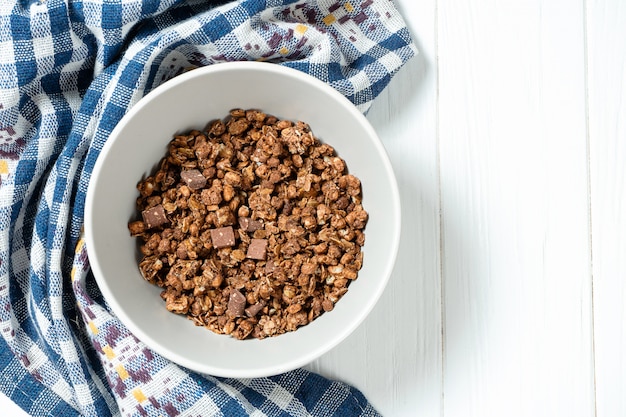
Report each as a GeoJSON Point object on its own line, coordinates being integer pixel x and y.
{"type": "Point", "coordinates": [69, 70]}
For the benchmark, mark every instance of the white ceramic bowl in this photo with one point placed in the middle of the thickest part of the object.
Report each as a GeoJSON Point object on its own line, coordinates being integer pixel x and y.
{"type": "Point", "coordinates": [139, 141]}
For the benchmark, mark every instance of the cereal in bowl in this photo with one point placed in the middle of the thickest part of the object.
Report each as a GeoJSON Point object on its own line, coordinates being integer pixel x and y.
{"type": "Point", "coordinates": [252, 227]}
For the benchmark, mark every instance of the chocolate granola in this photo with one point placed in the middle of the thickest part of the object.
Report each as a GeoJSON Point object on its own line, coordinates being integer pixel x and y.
{"type": "Point", "coordinates": [252, 227]}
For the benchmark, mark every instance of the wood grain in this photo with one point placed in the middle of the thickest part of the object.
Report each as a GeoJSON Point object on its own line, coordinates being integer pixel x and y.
{"type": "Point", "coordinates": [606, 51]}
{"type": "Point", "coordinates": [515, 209]}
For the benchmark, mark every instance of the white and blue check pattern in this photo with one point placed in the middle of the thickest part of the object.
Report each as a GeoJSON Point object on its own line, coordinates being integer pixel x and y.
{"type": "Point", "coordinates": [69, 70]}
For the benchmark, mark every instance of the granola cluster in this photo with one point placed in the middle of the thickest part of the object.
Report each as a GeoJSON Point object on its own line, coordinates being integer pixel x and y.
{"type": "Point", "coordinates": [252, 227]}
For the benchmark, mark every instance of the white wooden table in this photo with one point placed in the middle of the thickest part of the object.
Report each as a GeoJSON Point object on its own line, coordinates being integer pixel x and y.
{"type": "Point", "coordinates": [508, 138]}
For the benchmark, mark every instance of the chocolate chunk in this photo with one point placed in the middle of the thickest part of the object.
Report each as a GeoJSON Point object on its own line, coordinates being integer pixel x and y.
{"type": "Point", "coordinates": [249, 225]}
{"type": "Point", "coordinates": [154, 216]}
{"type": "Point", "coordinates": [257, 249]}
{"type": "Point", "coordinates": [236, 304]}
{"type": "Point", "coordinates": [270, 267]}
{"type": "Point", "coordinates": [223, 237]}
{"type": "Point", "coordinates": [253, 310]}
{"type": "Point", "coordinates": [194, 179]}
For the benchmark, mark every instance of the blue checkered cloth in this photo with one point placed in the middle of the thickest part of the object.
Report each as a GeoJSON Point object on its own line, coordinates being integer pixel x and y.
{"type": "Point", "coordinates": [69, 70]}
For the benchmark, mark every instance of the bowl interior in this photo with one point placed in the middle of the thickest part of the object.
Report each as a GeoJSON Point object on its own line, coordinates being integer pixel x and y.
{"type": "Point", "coordinates": [139, 141]}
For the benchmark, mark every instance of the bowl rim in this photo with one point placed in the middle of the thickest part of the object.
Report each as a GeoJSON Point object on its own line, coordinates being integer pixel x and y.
{"type": "Point", "coordinates": [146, 338]}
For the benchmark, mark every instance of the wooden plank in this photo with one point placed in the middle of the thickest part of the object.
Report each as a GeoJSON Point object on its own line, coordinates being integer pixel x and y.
{"type": "Point", "coordinates": [606, 43]}
{"type": "Point", "coordinates": [395, 356]}
{"type": "Point", "coordinates": [514, 190]}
